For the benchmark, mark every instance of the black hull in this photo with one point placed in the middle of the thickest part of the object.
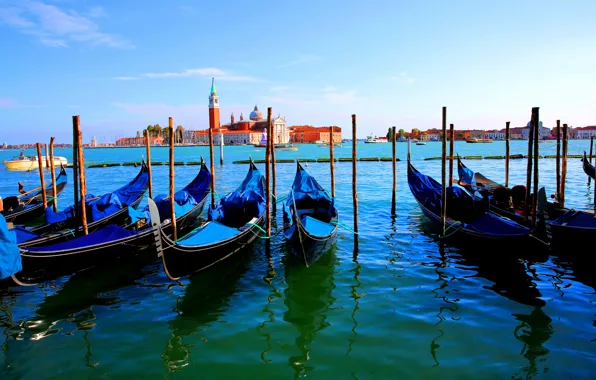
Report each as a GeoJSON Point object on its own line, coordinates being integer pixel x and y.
{"type": "Point", "coordinates": [308, 249]}
{"type": "Point", "coordinates": [589, 169]}
{"type": "Point", "coordinates": [62, 233]}
{"type": "Point", "coordinates": [49, 265]}
{"type": "Point", "coordinates": [179, 261]}
{"type": "Point", "coordinates": [572, 242]}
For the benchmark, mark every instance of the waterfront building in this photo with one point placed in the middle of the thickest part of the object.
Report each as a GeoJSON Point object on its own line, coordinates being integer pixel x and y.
{"type": "Point", "coordinates": [94, 142]}
{"type": "Point", "coordinates": [308, 134]}
{"type": "Point", "coordinates": [585, 132]}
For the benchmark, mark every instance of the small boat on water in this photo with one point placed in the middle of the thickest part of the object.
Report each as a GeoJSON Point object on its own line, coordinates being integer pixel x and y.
{"type": "Point", "coordinates": [22, 208]}
{"type": "Point", "coordinates": [28, 163]}
{"type": "Point", "coordinates": [473, 140]}
{"type": "Point", "coordinates": [286, 147]}
{"type": "Point", "coordinates": [234, 223]}
{"type": "Point", "coordinates": [420, 143]}
{"type": "Point", "coordinates": [263, 142]}
{"type": "Point", "coordinates": [375, 140]}
{"type": "Point", "coordinates": [310, 218]}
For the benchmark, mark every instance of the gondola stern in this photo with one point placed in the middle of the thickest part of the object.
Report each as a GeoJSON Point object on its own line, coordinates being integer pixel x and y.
{"type": "Point", "coordinates": [155, 226]}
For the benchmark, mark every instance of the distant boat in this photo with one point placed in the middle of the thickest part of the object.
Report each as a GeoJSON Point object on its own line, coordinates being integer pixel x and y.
{"type": "Point", "coordinates": [420, 143]}
{"type": "Point", "coordinates": [263, 142]}
{"type": "Point", "coordinates": [475, 141]}
{"type": "Point", "coordinates": [402, 139]}
{"type": "Point", "coordinates": [374, 140]}
{"type": "Point", "coordinates": [28, 163]}
{"type": "Point", "coordinates": [286, 147]}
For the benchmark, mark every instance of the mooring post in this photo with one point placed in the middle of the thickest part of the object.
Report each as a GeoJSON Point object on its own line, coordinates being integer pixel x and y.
{"type": "Point", "coordinates": [507, 153]}
{"type": "Point", "coordinates": [267, 173]}
{"type": "Point", "coordinates": [451, 142]}
{"type": "Point", "coordinates": [394, 170]}
{"type": "Point", "coordinates": [527, 206]}
{"type": "Point", "coordinates": [564, 166]}
{"type": "Point", "coordinates": [41, 177]}
{"type": "Point", "coordinates": [331, 161]}
{"type": "Point", "coordinates": [212, 167]}
{"type": "Point", "coordinates": [54, 186]}
{"type": "Point", "coordinates": [354, 188]}
{"type": "Point", "coordinates": [273, 166]}
{"type": "Point", "coordinates": [76, 120]}
{"type": "Point", "coordinates": [536, 125]}
{"type": "Point", "coordinates": [148, 151]}
{"type": "Point", "coordinates": [558, 163]}
{"type": "Point", "coordinates": [443, 173]}
{"type": "Point", "coordinates": [590, 159]}
{"type": "Point", "coordinates": [83, 182]}
{"type": "Point", "coordinates": [172, 200]}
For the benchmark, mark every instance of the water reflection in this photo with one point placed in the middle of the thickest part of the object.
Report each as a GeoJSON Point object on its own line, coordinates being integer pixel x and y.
{"type": "Point", "coordinates": [206, 298]}
{"type": "Point", "coordinates": [274, 294]}
{"type": "Point", "coordinates": [354, 294]}
{"type": "Point", "coordinates": [308, 298]}
{"type": "Point", "coordinates": [533, 331]}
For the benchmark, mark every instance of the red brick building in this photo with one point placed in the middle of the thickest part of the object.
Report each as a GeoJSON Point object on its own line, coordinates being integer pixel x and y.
{"type": "Point", "coordinates": [303, 134]}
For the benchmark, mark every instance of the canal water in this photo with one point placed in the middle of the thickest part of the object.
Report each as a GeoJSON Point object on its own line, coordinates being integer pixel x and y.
{"type": "Point", "coordinates": [397, 307]}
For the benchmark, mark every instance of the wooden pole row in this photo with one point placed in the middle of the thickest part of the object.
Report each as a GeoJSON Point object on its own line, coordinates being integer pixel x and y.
{"type": "Point", "coordinates": [267, 173]}
{"type": "Point", "coordinates": [75, 170]}
{"type": "Point", "coordinates": [82, 183]}
{"type": "Point", "coordinates": [527, 208]}
{"type": "Point", "coordinates": [331, 161]}
{"type": "Point", "coordinates": [451, 138]}
{"type": "Point", "coordinates": [148, 151]}
{"type": "Point", "coordinates": [41, 176]}
{"type": "Point", "coordinates": [536, 125]}
{"type": "Point", "coordinates": [558, 163]}
{"type": "Point", "coordinates": [52, 169]}
{"type": "Point", "coordinates": [273, 169]}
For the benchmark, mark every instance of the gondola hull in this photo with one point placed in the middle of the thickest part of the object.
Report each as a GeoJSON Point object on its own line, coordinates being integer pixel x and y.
{"type": "Point", "coordinates": [180, 261]}
{"type": "Point", "coordinates": [589, 169]}
{"type": "Point", "coordinates": [48, 265]}
{"type": "Point", "coordinates": [308, 248]}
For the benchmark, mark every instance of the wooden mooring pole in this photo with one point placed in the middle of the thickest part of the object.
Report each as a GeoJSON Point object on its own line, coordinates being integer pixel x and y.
{"type": "Point", "coordinates": [76, 121]}
{"type": "Point", "coordinates": [536, 125]}
{"type": "Point", "coordinates": [451, 154]}
{"type": "Point", "coordinates": [527, 207]}
{"type": "Point", "coordinates": [393, 169]}
{"type": "Point", "coordinates": [52, 169]}
{"type": "Point", "coordinates": [82, 181]}
{"type": "Point", "coordinates": [354, 187]}
{"type": "Point", "coordinates": [590, 159]}
{"type": "Point", "coordinates": [558, 163]}
{"type": "Point", "coordinates": [148, 151]}
{"type": "Point", "coordinates": [507, 153]}
{"type": "Point", "coordinates": [331, 161]}
{"type": "Point", "coordinates": [563, 167]}
{"type": "Point", "coordinates": [212, 167]}
{"type": "Point", "coordinates": [273, 166]}
{"type": "Point", "coordinates": [443, 173]}
{"type": "Point", "coordinates": [172, 200]}
{"type": "Point", "coordinates": [44, 196]}
{"type": "Point", "coordinates": [267, 174]}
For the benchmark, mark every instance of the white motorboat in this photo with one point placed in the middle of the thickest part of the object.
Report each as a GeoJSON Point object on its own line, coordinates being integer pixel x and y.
{"type": "Point", "coordinates": [374, 140]}
{"type": "Point", "coordinates": [28, 163]}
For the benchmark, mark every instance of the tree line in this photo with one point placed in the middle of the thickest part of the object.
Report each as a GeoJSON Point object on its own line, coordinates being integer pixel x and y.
{"type": "Point", "coordinates": [157, 131]}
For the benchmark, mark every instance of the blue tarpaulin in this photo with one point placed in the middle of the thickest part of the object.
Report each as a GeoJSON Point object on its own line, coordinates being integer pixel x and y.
{"type": "Point", "coordinates": [108, 233]}
{"type": "Point", "coordinates": [10, 256]}
{"type": "Point", "coordinates": [107, 204]}
{"type": "Point", "coordinates": [233, 211]}
{"type": "Point", "coordinates": [185, 199]}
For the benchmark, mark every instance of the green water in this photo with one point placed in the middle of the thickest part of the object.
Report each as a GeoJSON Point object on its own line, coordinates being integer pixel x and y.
{"type": "Point", "coordinates": [397, 307]}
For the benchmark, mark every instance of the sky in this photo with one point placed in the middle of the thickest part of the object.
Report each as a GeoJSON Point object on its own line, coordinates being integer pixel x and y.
{"type": "Point", "coordinates": [124, 64]}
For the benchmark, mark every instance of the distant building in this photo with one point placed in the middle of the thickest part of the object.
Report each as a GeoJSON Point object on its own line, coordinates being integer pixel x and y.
{"type": "Point", "coordinates": [585, 132]}
{"type": "Point", "coordinates": [4, 146]}
{"type": "Point", "coordinates": [494, 135]}
{"type": "Point", "coordinates": [139, 141]}
{"type": "Point", "coordinates": [94, 142]}
{"type": "Point", "coordinates": [308, 134]}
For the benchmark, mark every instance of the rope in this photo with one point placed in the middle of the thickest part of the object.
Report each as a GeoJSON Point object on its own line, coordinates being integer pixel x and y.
{"type": "Point", "coordinates": [345, 226]}
{"type": "Point", "coordinates": [260, 229]}
{"type": "Point", "coordinates": [458, 224]}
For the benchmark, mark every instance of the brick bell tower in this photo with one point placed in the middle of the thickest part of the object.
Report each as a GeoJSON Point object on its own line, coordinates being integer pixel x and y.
{"type": "Point", "coordinates": [214, 123]}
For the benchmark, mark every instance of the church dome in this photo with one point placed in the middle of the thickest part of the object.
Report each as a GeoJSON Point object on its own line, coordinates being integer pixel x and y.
{"type": "Point", "coordinates": [256, 114]}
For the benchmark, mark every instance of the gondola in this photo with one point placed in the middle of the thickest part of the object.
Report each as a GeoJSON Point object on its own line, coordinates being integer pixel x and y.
{"type": "Point", "coordinates": [589, 169]}
{"type": "Point", "coordinates": [110, 208]}
{"type": "Point", "coordinates": [234, 223]}
{"type": "Point", "coordinates": [468, 219]}
{"type": "Point", "coordinates": [113, 242]}
{"type": "Point", "coordinates": [310, 218]}
{"type": "Point", "coordinates": [572, 232]}
{"type": "Point", "coordinates": [32, 206]}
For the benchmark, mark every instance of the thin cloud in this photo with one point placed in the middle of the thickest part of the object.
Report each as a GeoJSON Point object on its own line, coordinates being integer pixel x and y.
{"type": "Point", "coordinates": [11, 103]}
{"type": "Point", "coordinates": [205, 72]}
{"type": "Point", "coordinates": [302, 59]}
{"type": "Point", "coordinates": [55, 27]}
{"type": "Point", "coordinates": [404, 78]}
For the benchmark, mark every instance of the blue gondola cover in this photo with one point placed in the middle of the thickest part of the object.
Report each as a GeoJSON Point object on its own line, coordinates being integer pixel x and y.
{"type": "Point", "coordinates": [107, 234]}
{"type": "Point", "coordinates": [10, 256]}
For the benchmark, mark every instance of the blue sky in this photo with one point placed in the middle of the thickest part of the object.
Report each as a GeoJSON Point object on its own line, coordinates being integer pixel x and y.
{"type": "Point", "coordinates": [125, 64]}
